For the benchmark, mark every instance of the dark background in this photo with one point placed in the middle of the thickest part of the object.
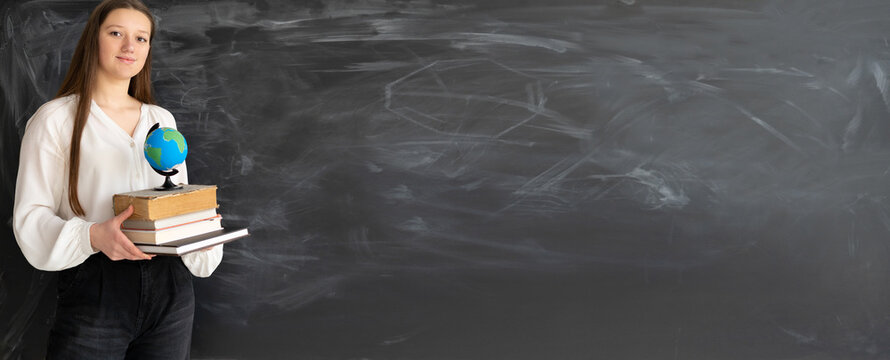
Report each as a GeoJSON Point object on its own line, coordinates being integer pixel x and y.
{"type": "Point", "coordinates": [445, 179]}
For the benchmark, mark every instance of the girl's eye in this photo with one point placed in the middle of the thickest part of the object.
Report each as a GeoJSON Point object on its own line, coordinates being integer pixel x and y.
{"type": "Point", "coordinates": [142, 39]}
{"type": "Point", "coordinates": [115, 33]}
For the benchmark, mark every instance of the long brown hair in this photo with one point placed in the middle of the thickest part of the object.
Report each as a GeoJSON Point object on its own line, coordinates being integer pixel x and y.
{"type": "Point", "coordinates": [81, 77]}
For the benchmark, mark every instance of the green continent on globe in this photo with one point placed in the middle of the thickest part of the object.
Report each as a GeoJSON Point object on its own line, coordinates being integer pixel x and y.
{"type": "Point", "coordinates": [155, 154]}
{"type": "Point", "coordinates": [174, 136]}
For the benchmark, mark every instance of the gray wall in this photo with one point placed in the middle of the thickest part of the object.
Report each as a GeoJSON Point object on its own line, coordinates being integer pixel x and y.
{"type": "Point", "coordinates": [448, 180]}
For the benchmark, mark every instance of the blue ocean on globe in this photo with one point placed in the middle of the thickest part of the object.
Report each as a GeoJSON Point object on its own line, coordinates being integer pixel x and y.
{"type": "Point", "coordinates": [165, 148]}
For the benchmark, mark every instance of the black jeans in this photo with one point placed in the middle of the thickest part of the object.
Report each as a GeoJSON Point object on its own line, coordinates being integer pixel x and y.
{"type": "Point", "coordinates": [123, 310]}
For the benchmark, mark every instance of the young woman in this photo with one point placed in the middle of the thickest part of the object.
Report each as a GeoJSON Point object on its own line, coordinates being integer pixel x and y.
{"type": "Point", "coordinates": [80, 149]}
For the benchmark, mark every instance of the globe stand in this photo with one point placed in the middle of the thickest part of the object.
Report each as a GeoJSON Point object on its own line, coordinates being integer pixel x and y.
{"type": "Point", "coordinates": [168, 185]}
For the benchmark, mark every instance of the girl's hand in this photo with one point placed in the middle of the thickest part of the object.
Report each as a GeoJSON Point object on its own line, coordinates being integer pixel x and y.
{"type": "Point", "coordinates": [108, 238]}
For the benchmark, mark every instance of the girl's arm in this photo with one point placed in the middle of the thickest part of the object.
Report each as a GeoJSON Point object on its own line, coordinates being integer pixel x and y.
{"type": "Point", "coordinates": [48, 241]}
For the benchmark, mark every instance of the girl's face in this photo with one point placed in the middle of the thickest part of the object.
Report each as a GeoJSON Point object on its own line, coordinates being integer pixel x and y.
{"type": "Point", "coordinates": [123, 43]}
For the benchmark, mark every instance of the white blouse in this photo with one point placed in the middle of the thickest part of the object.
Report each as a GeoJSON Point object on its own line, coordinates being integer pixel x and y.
{"type": "Point", "coordinates": [111, 161]}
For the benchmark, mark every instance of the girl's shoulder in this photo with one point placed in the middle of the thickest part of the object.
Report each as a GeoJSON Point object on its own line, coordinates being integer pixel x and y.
{"type": "Point", "coordinates": [161, 115]}
{"type": "Point", "coordinates": [55, 113]}
{"type": "Point", "coordinates": [58, 107]}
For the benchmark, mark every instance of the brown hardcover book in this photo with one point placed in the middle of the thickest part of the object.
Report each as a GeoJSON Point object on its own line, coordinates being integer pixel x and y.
{"type": "Point", "coordinates": [153, 204]}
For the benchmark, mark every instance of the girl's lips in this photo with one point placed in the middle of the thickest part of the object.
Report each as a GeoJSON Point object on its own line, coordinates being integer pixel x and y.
{"type": "Point", "coordinates": [127, 60]}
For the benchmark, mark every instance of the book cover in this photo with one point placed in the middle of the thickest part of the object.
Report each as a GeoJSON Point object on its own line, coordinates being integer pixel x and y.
{"type": "Point", "coordinates": [195, 243]}
{"type": "Point", "coordinates": [164, 223]}
{"type": "Point", "coordinates": [153, 204]}
{"type": "Point", "coordinates": [174, 232]}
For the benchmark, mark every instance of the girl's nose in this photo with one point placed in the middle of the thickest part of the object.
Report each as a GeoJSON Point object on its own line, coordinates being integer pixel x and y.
{"type": "Point", "coordinates": [127, 45]}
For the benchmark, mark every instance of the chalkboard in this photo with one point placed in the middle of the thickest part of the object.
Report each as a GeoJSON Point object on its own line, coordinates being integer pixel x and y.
{"type": "Point", "coordinates": [683, 179]}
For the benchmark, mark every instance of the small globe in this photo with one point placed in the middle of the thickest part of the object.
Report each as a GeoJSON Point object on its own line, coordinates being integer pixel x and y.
{"type": "Point", "coordinates": [165, 148]}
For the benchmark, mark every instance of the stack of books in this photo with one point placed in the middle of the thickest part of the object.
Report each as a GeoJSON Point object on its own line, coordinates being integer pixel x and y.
{"type": "Point", "coordinates": [174, 222]}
